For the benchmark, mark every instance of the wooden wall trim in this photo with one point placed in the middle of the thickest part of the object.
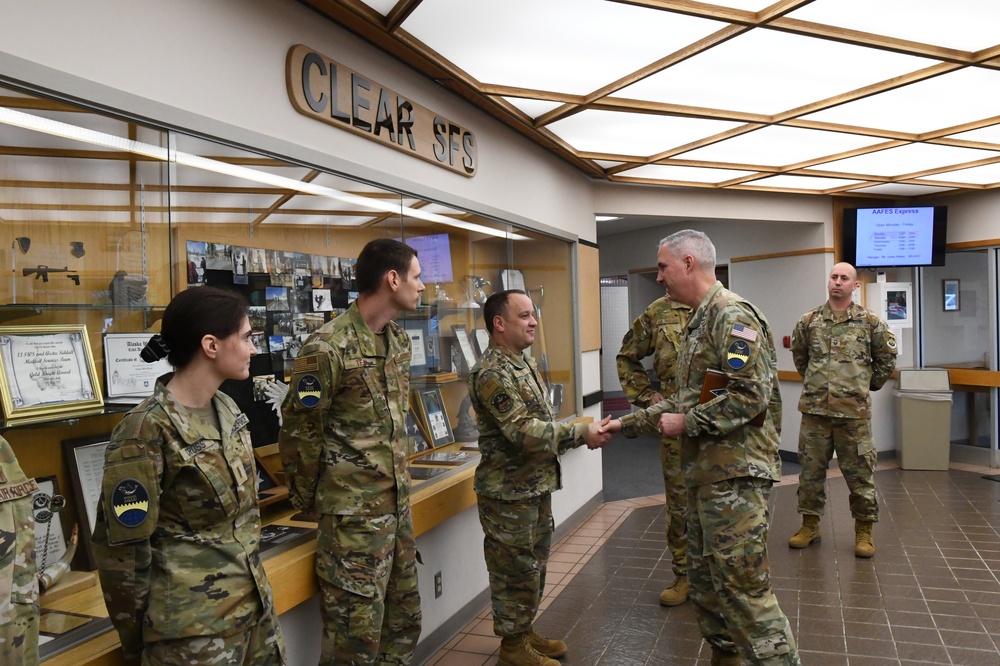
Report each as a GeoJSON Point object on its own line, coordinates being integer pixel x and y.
{"type": "Point", "coordinates": [972, 245]}
{"type": "Point", "coordinates": [776, 255]}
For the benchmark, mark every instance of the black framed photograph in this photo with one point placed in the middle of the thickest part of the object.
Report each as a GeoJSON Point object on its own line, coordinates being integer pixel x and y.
{"type": "Point", "coordinates": [434, 417]}
{"type": "Point", "coordinates": [85, 458]}
{"type": "Point", "coordinates": [952, 297]}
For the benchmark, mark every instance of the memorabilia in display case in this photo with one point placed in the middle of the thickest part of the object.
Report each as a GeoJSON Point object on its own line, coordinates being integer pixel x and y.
{"type": "Point", "coordinates": [107, 218]}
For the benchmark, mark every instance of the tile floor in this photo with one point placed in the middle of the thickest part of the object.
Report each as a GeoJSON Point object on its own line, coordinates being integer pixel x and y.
{"type": "Point", "coordinates": [931, 595]}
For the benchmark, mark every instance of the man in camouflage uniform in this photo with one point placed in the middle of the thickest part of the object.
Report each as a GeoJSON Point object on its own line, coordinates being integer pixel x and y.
{"type": "Point", "coordinates": [176, 537]}
{"type": "Point", "coordinates": [659, 331]}
{"type": "Point", "coordinates": [343, 446]}
{"type": "Point", "coordinates": [842, 351]}
{"type": "Point", "coordinates": [18, 583]}
{"type": "Point", "coordinates": [730, 464]}
{"type": "Point", "coordinates": [520, 443]}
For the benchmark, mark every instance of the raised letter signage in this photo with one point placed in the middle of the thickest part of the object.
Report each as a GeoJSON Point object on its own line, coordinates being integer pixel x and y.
{"type": "Point", "coordinates": [327, 91]}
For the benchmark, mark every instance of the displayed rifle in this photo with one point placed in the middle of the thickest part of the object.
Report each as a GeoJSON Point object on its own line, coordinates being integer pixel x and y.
{"type": "Point", "coordinates": [42, 271]}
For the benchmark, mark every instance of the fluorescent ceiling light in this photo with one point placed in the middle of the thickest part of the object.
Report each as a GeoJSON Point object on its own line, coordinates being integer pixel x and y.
{"type": "Point", "coordinates": [969, 25]}
{"type": "Point", "coordinates": [820, 69]}
{"type": "Point", "coordinates": [76, 133]}
{"type": "Point", "coordinates": [549, 44]}
{"type": "Point", "coordinates": [606, 218]}
{"type": "Point", "coordinates": [683, 173]}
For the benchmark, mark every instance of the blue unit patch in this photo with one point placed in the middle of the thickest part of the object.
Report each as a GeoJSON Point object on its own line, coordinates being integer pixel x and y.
{"type": "Point", "coordinates": [738, 354]}
{"type": "Point", "coordinates": [130, 502]}
{"type": "Point", "coordinates": [309, 391]}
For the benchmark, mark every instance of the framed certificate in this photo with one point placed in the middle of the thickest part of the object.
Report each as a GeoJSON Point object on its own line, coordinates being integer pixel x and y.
{"type": "Point", "coordinates": [85, 458]}
{"type": "Point", "coordinates": [47, 371]}
{"type": "Point", "coordinates": [127, 376]}
{"type": "Point", "coordinates": [465, 346]}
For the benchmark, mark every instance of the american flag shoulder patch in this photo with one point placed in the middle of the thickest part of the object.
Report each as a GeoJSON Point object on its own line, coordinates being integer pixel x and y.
{"type": "Point", "coordinates": [306, 364]}
{"type": "Point", "coordinates": [745, 332]}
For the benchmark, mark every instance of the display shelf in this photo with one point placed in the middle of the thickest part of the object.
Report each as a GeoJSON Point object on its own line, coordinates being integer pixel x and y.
{"type": "Point", "coordinates": [67, 420]}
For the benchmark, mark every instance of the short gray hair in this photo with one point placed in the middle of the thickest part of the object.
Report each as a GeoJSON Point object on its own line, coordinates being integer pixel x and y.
{"type": "Point", "coordinates": [695, 243]}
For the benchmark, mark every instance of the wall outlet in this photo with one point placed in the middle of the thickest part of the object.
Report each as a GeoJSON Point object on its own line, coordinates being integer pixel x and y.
{"type": "Point", "coordinates": [438, 587]}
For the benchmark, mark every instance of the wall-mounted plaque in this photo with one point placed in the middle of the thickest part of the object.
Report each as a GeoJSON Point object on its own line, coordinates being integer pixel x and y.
{"type": "Point", "coordinates": [47, 371]}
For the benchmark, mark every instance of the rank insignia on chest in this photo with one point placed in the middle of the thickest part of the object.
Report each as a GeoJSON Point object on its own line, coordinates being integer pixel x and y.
{"type": "Point", "coordinates": [309, 391]}
{"type": "Point", "coordinates": [738, 354]}
{"type": "Point", "coordinates": [502, 402]}
{"type": "Point", "coordinates": [130, 502]}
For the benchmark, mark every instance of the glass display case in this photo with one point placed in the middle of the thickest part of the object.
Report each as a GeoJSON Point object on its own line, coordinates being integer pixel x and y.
{"type": "Point", "coordinates": [106, 218]}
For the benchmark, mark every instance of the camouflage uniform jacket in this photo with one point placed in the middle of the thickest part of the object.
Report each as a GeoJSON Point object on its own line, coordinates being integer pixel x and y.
{"type": "Point", "coordinates": [841, 356]}
{"type": "Point", "coordinates": [343, 438]}
{"type": "Point", "coordinates": [18, 584]}
{"type": "Point", "coordinates": [729, 334]}
{"type": "Point", "coordinates": [519, 439]}
{"type": "Point", "coordinates": [659, 331]}
{"type": "Point", "coordinates": [178, 525]}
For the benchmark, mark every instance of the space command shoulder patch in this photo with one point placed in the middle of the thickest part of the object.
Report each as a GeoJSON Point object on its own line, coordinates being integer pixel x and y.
{"type": "Point", "coordinates": [502, 402]}
{"type": "Point", "coordinates": [130, 502]}
{"type": "Point", "coordinates": [738, 354]}
{"type": "Point", "coordinates": [309, 391]}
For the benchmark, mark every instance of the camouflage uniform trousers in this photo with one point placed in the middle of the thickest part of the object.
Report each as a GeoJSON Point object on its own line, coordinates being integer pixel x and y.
{"type": "Point", "coordinates": [258, 647]}
{"type": "Point", "coordinates": [819, 437]}
{"type": "Point", "coordinates": [370, 602]}
{"type": "Point", "coordinates": [517, 543]}
{"type": "Point", "coordinates": [728, 572]}
{"type": "Point", "coordinates": [676, 493]}
{"type": "Point", "coordinates": [18, 633]}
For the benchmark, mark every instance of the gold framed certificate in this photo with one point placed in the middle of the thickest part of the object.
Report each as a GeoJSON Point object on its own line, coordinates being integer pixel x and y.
{"type": "Point", "coordinates": [46, 372]}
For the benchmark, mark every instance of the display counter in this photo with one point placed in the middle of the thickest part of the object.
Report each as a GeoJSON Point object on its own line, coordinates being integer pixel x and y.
{"type": "Point", "coordinates": [289, 571]}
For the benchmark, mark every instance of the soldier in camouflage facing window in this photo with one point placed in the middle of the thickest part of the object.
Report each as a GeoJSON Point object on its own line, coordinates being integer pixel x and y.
{"type": "Point", "coordinates": [343, 447]}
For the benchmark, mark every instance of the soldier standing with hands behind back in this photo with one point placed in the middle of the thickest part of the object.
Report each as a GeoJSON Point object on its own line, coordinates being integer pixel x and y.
{"type": "Point", "coordinates": [520, 442]}
{"type": "Point", "coordinates": [842, 351]}
{"type": "Point", "coordinates": [660, 331]}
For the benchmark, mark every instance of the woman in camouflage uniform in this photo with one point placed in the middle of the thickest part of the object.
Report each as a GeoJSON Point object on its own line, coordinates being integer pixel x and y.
{"type": "Point", "coordinates": [178, 528]}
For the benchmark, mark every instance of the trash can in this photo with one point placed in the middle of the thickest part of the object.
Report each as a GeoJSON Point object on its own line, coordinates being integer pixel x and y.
{"type": "Point", "coordinates": [923, 418]}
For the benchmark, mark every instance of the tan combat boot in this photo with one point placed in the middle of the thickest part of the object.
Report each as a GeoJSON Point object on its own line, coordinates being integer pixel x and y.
{"type": "Point", "coordinates": [722, 658]}
{"type": "Point", "coordinates": [676, 594]}
{"type": "Point", "coordinates": [864, 545]}
{"type": "Point", "coordinates": [545, 646]}
{"type": "Point", "coordinates": [807, 534]}
{"type": "Point", "coordinates": [517, 651]}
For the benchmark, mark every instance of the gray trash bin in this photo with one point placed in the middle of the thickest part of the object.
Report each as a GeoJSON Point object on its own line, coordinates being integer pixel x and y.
{"type": "Point", "coordinates": [923, 418]}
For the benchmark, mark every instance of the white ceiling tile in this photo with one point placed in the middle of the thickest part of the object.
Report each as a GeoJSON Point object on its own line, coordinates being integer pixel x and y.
{"type": "Point", "coordinates": [906, 159]}
{"type": "Point", "coordinates": [569, 46]}
{"type": "Point", "coordinates": [944, 101]}
{"type": "Point", "coordinates": [383, 7]}
{"type": "Point", "coordinates": [801, 182]}
{"type": "Point", "coordinates": [982, 175]}
{"type": "Point", "coordinates": [533, 107]}
{"type": "Point", "coordinates": [776, 72]}
{"type": "Point", "coordinates": [968, 25]}
{"type": "Point", "coordinates": [902, 190]}
{"type": "Point", "coordinates": [632, 133]}
{"type": "Point", "coordinates": [682, 173]}
{"type": "Point", "coordinates": [780, 146]}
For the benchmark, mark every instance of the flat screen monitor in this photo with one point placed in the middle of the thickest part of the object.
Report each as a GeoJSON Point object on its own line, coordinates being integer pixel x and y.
{"type": "Point", "coordinates": [434, 253]}
{"type": "Point", "coordinates": [895, 237]}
